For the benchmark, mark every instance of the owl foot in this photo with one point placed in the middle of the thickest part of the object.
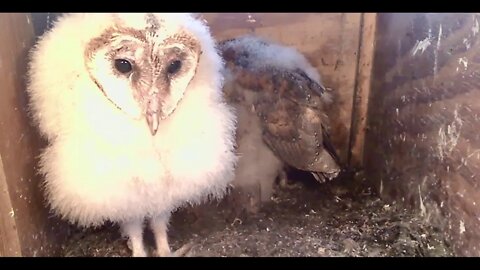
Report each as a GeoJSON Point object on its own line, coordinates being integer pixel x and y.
{"type": "Point", "coordinates": [245, 201]}
{"type": "Point", "coordinates": [136, 252]}
{"type": "Point", "coordinates": [183, 251]}
{"type": "Point", "coordinates": [134, 231]}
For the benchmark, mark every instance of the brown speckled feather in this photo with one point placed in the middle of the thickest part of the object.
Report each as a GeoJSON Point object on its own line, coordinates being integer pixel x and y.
{"type": "Point", "coordinates": [290, 107]}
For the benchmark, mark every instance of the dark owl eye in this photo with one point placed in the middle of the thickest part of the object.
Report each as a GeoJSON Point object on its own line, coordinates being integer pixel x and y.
{"type": "Point", "coordinates": [123, 66]}
{"type": "Point", "coordinates": [174, 67]}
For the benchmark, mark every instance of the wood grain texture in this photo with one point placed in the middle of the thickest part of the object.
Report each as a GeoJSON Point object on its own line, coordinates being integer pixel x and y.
{"type": "Point", "coordinates": [9, 242]}
{"type": "Point", "coordinates": [362, 90]}
{"type": "Point", "coordinates": [423, 141]}
{"type": "Point", "coordinates": [26, 227]}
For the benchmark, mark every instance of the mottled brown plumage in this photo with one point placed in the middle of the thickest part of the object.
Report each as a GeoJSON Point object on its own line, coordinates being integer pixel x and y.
{"type": "Point", "coordinates": [286, 100]}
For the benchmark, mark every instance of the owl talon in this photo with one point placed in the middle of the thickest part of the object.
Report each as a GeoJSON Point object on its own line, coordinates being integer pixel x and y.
{"type": "Point", "coordinates": [139, 253]}
{"type": "Point", "coordinates": [133, 230]}
{"type": "Point", "coordinates": [181, 252]}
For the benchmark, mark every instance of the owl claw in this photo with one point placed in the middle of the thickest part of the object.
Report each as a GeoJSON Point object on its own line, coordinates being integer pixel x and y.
{"type": "Point", "coordinates": [181, 252]}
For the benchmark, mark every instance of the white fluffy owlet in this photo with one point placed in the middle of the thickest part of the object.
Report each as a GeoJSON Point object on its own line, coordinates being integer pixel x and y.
{"type": "Point", "coordinates": [133, 111]}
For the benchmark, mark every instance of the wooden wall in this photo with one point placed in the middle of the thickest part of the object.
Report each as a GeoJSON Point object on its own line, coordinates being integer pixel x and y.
{"type": "Point", "coordinates": [25, 226]}
{"type": "Point", "coordinates": [423, 142]}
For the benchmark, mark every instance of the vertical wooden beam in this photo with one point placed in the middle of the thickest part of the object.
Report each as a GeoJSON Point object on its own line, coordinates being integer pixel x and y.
{"type": "Point", "coordinates": [362, 89]}
{"type": "Point", "coordinates": [9, 243]}
{"type": "Point", "coordinates": [26, 228]}
{"type": "Point", "coordinates": [423, 140]}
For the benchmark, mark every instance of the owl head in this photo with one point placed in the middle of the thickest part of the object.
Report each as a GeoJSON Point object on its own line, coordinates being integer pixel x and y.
{"type": "Point", "coordinates": [141, 63]}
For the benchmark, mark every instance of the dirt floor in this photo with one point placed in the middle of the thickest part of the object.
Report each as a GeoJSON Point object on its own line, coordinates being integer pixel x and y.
{"type": "Point", "coordinates": [333, 219]}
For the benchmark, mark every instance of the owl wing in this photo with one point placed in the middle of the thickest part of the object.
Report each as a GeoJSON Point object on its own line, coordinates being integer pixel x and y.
{"type": "Point", "coordinates": [290, 109]}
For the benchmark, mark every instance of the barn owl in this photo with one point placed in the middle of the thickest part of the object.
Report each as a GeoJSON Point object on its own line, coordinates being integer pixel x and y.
{"type": "Point", "coordinates": [133, 111]}
{"type": "Point", "coordinates": [280, 103]}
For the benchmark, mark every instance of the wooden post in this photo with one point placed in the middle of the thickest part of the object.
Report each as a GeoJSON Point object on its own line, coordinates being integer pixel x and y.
{"type": "Point", "coordinates": [25, 227]}
{"type": "Point", "coordinates": [423, 142]}
{"type": "Point", "coordinates": [366, 52]}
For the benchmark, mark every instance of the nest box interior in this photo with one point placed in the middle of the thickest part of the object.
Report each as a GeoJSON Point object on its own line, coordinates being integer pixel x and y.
{"type": "Point", "coordinates": [405, 115]}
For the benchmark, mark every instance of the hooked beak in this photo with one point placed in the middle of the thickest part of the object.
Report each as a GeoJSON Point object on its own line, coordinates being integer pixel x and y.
{"type": "Point", "coordinates": [153, 113]}
{"type": "Point", "coordinates": [153, 119]}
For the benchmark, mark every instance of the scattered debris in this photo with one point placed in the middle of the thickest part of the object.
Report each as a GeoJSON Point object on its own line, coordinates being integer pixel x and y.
{"type": "Point", "coordinates": [314, 220]}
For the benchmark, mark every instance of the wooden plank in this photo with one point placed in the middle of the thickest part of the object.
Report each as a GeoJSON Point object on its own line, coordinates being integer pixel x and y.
{"type": "Point", "coordinates": [362, 90]}
{"type": "Point", "coordinates": [422, 145]}
{"type": "Point", "coordinates": [9, 244]}
{"type": "Point", "coordinates": [35, 233]}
